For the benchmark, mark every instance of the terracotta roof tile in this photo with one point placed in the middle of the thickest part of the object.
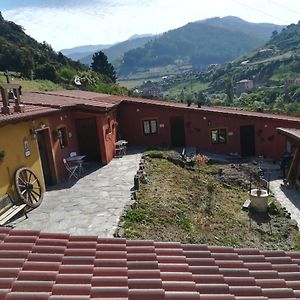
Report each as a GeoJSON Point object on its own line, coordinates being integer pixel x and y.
{"type": "Point", "coordinates": [38, 103]}
{"type": "Point", "coordinates": [31, 112]}
{"type": "Point", "coordinates": [36, 265]}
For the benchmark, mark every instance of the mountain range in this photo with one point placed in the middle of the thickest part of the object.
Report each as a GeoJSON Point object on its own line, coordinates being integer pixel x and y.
{"type": "Point", "coordinates": [199, 44]}
{"type": "Point", "coordinates": [85, 53]}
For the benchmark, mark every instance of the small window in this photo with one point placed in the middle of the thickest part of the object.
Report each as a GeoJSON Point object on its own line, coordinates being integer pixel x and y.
{"type": "Point", "coordinates": [62, 137]}
{"type": "Point", "coordinates": [150, 126]}
{"type": "Point", "coordinates": [219, 136]}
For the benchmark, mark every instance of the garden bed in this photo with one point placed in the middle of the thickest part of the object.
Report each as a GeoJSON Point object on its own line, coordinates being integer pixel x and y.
{"type": "Point", "coordinates": [202, 205]}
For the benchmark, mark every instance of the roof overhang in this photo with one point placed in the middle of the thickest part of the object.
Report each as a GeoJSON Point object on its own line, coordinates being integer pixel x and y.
{"type": "Point", "coordinates": [291, 133]}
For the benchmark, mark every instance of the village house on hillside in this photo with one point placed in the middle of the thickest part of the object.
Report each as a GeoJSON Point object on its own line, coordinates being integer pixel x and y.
{"type": "Point", "coordinates": [293, 80]}
{"type": "Point", "coordinates": [244, 85]}
{"type": "Point", "coordinates": [51, 125]}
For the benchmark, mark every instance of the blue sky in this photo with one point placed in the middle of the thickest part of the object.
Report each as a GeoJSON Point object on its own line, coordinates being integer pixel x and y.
{"type": "Point", "coordinates": [13, 4]}
{"type": "Point", "coordinates": [69, 23]}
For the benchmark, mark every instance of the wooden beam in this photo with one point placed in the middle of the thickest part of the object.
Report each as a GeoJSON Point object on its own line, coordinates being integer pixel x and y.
{"type": "Point", "coordinates": [294, 166]}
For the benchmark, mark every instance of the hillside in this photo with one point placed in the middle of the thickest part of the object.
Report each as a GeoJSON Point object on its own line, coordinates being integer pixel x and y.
{"type": "Point", "coordinates": [199, 44]}
{"type": "Point", "coordinates": [272, 67]}
{"type": "Point", "coordinates": [262, 31]}
{"type": "Point", "coordinates": [45, 69]}
{"type": "Point", "coordinates": [273, 63]}
{"type": "Point", "coordinates": [117, 51]}
{"type": "Point", "coordinates": [21, 53]}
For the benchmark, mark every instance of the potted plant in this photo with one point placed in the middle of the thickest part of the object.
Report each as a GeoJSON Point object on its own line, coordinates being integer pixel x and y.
{"type": "Point", "coordinates": [2, 155]}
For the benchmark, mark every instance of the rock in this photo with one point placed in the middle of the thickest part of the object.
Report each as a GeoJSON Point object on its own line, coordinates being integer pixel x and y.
{"type": "Point", "coordinates": [294, 224]}
{"type": "Point", "coordinates": [246, 205]}
{"type": "Point", "coordinates": [144, 180]}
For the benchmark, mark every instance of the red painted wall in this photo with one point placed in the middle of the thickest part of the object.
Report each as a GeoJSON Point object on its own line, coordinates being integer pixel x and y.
{"type": "Point", "coordinates": [198, 126]}
{"type": "Point", "coordinates": [59, 120]}
{"type": "Point", "coordinates": [106, 126]}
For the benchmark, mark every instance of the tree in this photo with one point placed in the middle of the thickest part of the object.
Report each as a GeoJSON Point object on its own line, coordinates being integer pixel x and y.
{"type": "Point", "coordinates": [229, 90]}
{"type": "Point", "coordinates": [46, 71]}
{"type": "Point", "coordinates": [101, 65]}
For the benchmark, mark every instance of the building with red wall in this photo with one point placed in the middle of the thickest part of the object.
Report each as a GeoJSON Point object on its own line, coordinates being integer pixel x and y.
{"type": "Point", "coordinates": [84, 123]}
{"type": "Point", "coordinates": [242, 132]}
{"type": "Point", "coordinates": [91, 123]}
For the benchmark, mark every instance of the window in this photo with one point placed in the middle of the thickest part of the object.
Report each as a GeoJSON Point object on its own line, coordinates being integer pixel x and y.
{"type": "Point", "coordinates": [62, 137]}
{"type": "Point", "coordinates": [219, 136]}
{"type": "Point", "coordinates": [150, 126]}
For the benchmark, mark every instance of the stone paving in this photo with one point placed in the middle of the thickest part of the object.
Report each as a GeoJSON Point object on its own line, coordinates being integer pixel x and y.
{"type": "Point", "coordinates": [288, 197]}
{"type": "Point", "coordinates": [90, 206]}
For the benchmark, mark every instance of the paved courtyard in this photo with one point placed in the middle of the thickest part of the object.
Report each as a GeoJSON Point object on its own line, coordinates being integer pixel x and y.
{"type": "Point", "coordinates": [90, 206]}
{"type": "Point", "coordinates": [287, 196]}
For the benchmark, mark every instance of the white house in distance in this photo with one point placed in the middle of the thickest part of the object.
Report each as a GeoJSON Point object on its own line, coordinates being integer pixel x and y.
{"type": "Point", "coordinates": [244, 86]}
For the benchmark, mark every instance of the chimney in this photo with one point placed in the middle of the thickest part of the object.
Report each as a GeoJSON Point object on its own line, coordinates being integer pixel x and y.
{"type": "Point", "coordinates": [11, 92]}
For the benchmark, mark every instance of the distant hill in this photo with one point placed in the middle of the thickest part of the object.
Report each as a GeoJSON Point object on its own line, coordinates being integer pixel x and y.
{"type": "Point", "coordinates": [262, 31]}
{"type": "Point", "coordinates": [117, 51]}
{"type": "Point", "coordinates": [76, 53]}
{"type": "Point", "coordinates": [21, 53]}
{"type": "Point", "coordinates": [138, 36]}
{"type": "Point", "coordinates": [199, 44]}
{"type": "Point", "coordinates": [271, 65]}
{"type": "Point", "coordinates": [275, 61]}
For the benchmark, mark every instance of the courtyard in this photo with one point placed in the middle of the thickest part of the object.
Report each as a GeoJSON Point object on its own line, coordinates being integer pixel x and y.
{"type": "Point", "coordinates": [90, 206]}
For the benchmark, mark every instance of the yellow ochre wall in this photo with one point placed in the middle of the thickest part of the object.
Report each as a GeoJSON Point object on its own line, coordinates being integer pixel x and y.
{"type": "Point", "coordinates": [12, 142]}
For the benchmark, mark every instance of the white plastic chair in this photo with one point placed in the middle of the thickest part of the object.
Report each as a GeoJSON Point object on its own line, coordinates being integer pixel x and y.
{"type": "Point", "coordinates": [73, 170]}
{"type": "Point", "coordinates": [72, 154]}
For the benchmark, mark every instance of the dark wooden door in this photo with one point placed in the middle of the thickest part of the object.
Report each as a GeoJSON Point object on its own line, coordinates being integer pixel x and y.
{"type": "Point", "coordinates": [247, 138]}
{"type": "Point", "coordinates": [42, 144]}
{"type": "Point", "coordinates": [177, 131]}
{"type": "Point", "coordinates": [88, 139]}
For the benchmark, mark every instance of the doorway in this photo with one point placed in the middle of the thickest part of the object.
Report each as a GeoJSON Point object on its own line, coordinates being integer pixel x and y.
{"type": "Point", "coordinates": [247, 140]}
{"type": "Point", "coordinates": [88, 139]}
{"type": "Point", "coordinates": [177, 131]}
{"type": "Point", "coordinates": [44, 156]}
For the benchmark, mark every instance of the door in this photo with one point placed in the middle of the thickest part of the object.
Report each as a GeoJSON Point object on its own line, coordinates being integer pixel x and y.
{"type": "Point", "coordinates": [42, 144]}
{"type": "Point", "coordinates": [88, 140]}
{"type": "Point", "coordinates": [247, 138]}
{"type": "Point", "coordinates": [177, 131]}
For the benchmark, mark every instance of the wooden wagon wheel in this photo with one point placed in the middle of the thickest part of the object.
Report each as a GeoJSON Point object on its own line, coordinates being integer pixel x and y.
{"type": "Point", "coordinates": [28, 187]}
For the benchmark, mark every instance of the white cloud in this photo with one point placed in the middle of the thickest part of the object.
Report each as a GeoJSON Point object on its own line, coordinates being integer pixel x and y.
{"type": "Point", "coordinates": [106, 22]}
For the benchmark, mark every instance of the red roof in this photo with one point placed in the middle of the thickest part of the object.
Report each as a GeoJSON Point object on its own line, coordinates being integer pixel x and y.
{"type": "Point", "coordinates": [214, 109]}
{"type": "Point", "coordinates": [31, 111]}
{"type": "Point", "coordinates": [57, 266]}
{"type": "Point", "coordinates": [72, 99]}
{"type": "Point", "coordinates": [81, 100]}
{"type": "Point", "coordinates": [107, 101]}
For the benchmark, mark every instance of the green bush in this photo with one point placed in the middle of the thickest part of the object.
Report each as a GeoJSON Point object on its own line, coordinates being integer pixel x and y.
{"type": "Point", "coordinates": [136, 216]}
{"type": "Point", "coordinates": [154, 154]}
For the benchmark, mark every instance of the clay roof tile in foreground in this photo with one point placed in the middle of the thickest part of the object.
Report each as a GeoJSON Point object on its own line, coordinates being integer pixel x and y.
{"type": "Point", "coordinates": [57, 266]}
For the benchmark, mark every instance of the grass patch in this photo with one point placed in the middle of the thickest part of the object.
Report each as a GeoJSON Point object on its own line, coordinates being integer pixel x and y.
{"type": "Point", "coordinates": [34, 85]}
{"type": "Point", "coordinates": [195, 207]}
{"type": "Point", "coordinates": [154, 154]}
